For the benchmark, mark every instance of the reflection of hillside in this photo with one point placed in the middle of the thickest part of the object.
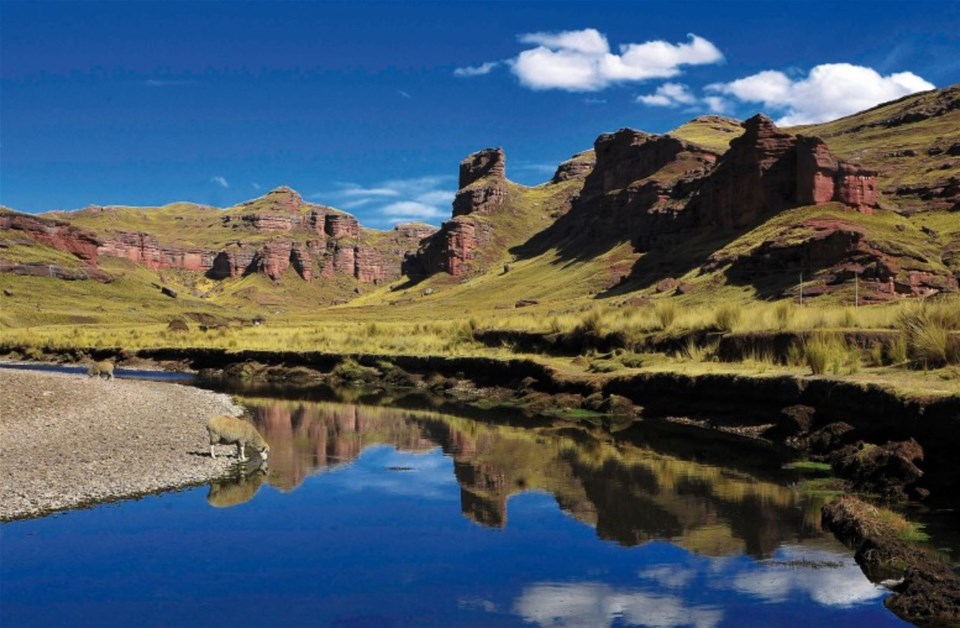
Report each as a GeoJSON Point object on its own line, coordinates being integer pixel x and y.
{"type": "Point", "coordinates": [629, 493]}
{"type": "Point", "coordinates": [306, 436]}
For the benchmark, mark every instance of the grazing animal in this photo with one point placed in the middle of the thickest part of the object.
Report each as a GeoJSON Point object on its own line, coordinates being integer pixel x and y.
{"type": "Point", "coordinates": [101, 369]}
{"type": "Point", "coordinates": [226, 430]}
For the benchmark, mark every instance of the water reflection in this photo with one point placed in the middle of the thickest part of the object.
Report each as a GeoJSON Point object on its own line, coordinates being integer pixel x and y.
{"type": "Point", "coordinates": [237, 489]}
{"type": "Point", "coordinates": [626, 491]}
{"type": "Point", "coordinates": [592, 605]}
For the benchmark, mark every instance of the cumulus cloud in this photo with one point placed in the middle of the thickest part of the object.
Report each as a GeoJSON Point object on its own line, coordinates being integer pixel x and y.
{"type": "Point", "coordinates": [582, 61]}
{"type": "Point", "coordinates": [828, 92]}
{"type": "Point", "coordinates": [477, 70]}
{"type": "Point", "coordinates": [221, 181]}
{"type": "Point", "coordinates": [669, 95]}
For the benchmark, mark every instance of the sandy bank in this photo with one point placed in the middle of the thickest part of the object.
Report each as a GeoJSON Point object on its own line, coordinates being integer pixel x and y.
{"type": "Point", "coordinates": [67, 440]}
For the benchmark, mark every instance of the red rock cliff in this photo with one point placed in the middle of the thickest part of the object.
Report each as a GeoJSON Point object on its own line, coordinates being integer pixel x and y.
{"type": "Point", "coordinates": [55, 233]}
{"type": "Point", "coordinates": [482, 183]}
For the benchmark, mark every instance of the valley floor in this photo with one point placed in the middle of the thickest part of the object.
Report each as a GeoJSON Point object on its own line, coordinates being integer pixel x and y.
{"type": "Point", "coordinates": [68, 440]}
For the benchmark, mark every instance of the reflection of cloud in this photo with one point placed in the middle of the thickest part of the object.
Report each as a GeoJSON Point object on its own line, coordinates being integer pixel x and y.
{"type": "Point", "coordinates": [669, 576]}
{"type": "Point", "coordinates": [477, 603]}
{"type": "Point", "coordinates": [829, 579]}
{"type": "Point", "coordinates": [429, 474]}
{"type": "Point", "coordinates": [591, 604]}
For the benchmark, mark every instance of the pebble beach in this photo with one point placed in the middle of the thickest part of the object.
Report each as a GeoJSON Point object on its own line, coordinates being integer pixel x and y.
{"type": "Point", "coordinates": [70, 440]}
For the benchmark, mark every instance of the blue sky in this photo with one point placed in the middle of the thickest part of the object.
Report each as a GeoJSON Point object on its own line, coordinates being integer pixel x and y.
{"type": "Point", "coordinates": [369, 107]}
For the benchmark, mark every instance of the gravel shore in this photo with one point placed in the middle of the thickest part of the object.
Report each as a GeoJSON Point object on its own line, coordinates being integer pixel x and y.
{"type": "Point", "coordinates": [69, 440]}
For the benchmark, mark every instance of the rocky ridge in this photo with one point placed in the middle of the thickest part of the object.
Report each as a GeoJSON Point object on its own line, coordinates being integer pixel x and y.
{"type": "Point", "coordinates": [268, 235]}
{"type": "Point", "coordinates": [655, 193]}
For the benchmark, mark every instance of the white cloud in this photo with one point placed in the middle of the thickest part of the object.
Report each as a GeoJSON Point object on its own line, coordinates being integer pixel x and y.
{"type": "Point", "coordinates": [412, 210]}
{"type": "Point", "coordinates": [221, 181]}
{"type": "Point", "coordinates": [389, 202]}
{"type": "Point", "coordinates": [838, 582]}
{"type": "Point", "coordinates": [717, 104]}
{"type": "Point", "coordinates": [669, 95]}
{"type": "Point", "coordinates": [592, 605]}
{"type": "Point", "coordinates": [405, 94]}
{"type": "Point", "coordinates": [581, 61]}
{"type": "Point", "coordinates": [436, 197]}
{"type": "Point", "coordinates": [367, 192]}
{"type": "Point", "coordinates": [587, 41]}
{"type": "Point", "coordinates": [256, 186]}
{"type": "Point", "coordinates": [828, 92]}
{"type": "Point", "coordinates": [478, 70]}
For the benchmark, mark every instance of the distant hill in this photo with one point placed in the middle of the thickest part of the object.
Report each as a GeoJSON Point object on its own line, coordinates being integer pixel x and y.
{"type": "Point", "coordinates": [715, 207]}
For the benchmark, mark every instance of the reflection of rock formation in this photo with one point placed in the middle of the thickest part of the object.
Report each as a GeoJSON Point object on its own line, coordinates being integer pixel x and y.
{"type": "Point", "coordinates": [236, 490]}
{"type": "Point", "coordinates": [306, 437]}
{"type": "Point", "coordinates": [630, 494]}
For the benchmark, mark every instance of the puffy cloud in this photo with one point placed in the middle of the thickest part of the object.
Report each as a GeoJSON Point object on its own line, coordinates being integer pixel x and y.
{"type": "Point", "coordinates": [582, 61]}
{"type": "Point", "coordinates": [828, 92]}
{"type": "Point", "coordinates": [478, 70]}
{"type": "Point", "coordinates": [221, 181]}
{"type": "Point", "coordinates": [669, 95]}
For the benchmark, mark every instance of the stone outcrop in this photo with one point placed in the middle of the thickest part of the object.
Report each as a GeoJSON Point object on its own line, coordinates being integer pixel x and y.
{"type": "Point", "coordinates": [767, 170]}
{"type": "Point", "coordinates": [482, 183]}
{"type": "Point", "coordinates": [577, 167]}
{"type": "Point", "coordinates": [489, 162]}
{"type": "Point", "coordinates": [341, 226]}
{"type": "Point", "coordinates": [451, 250]}
{"type": "Point", "coordinates": [54, 233]}
{"type": "Point", "coordinates": [145, 249]}
{"type": "Point", "coordinates": [821, 178]}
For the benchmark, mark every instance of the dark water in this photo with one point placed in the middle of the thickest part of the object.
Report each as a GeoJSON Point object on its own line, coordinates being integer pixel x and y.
{"type": "Point", "coordinates": [375, 516]}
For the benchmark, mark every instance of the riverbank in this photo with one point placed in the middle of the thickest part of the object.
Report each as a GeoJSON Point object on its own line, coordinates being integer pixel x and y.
{"type": "Point", "coordinates": [69, 440]}
{"type": "Point", "coordinates": [926, 589]}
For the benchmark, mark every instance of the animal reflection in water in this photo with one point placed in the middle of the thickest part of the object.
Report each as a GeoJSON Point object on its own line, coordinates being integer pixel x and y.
{"type": "Point", "coordinates": [236, 490]}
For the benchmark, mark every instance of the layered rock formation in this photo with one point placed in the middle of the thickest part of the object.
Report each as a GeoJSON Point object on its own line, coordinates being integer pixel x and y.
{"type": "Point", "coordinates": [317, 241]}
{"type": "Point", "coordinates": [482, 183]}
{"type": "Point", "coordinates": [145, 249]}
{"type": "Point", "coordinates": [577, 167]}
{"type": "Point", "coordinates": [452, 249]}
{"type": "Point", "coordinates": [54, 233]}
{"type": "Point", "coordinates": [766, 170]}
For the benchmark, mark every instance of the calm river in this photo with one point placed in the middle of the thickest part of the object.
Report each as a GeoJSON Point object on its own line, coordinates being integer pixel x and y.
{"type": "Point", "coordinates": [377, 516]}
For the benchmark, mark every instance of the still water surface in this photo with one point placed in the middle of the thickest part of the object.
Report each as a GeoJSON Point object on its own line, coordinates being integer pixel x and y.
{"type": "Point", "coordinates": [376, 516]}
